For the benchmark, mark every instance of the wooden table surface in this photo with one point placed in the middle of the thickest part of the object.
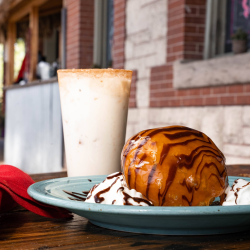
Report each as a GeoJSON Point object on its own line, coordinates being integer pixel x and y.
{"type": "Point", "coordinates": [21, 229]}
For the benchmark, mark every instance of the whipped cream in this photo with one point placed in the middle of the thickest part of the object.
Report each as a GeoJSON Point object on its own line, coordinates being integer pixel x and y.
{"type": "Point", "coordinates": [113, 190]}
{"type": "Point", "coordinates": [238, 194]}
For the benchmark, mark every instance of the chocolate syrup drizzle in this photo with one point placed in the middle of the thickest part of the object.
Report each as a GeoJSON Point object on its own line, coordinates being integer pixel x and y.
{"type": "Point", "coordinates": [150, 177]}
{"type": "Point", "coordinates": [183, 161]}
{"type": "Point", "coordinates": [98, 198]}
{"type": "Point", "coordinates": [92, 189]}
{"type": "Point", "coordinates": [237, 190]}
{"type": "Point", "coordinates": [183, 134]}
{"type": "Point", "coordinates": [136, 199]}
{"type": "Point", "coordinates": [115, 175]}
{"type": "Point", "coordinates": [77, 196]}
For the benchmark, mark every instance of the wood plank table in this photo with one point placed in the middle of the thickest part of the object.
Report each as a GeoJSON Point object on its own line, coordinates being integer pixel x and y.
{"type": "Point", "coordinates": [24, 230]}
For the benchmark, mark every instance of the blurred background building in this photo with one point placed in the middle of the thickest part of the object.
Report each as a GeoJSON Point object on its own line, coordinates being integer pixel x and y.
{"type": "Point", "coordinates": [188, 69]}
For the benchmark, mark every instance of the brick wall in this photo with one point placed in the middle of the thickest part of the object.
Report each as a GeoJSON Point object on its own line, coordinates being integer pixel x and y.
{"type": "Point", "coordinates": [80, 31]}
{"type": "Point", "coordinates": [151, 48]}
{"type": "Point", "coordinates": [118, 48]}
{"type": "Point", "coordinates": [221, 112]}
{"type": "Point", "coordinates": [186, 25]}
{"type": "Point", "coordinates": [164, 95]}
{"type": "Point", "coordinates": [194, 28]}
{"type": "Point", "coordinates": [186, 28]}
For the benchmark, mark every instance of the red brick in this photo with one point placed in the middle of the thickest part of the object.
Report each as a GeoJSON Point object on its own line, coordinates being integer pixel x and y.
{"type": "Point", "coordinates": [161, 86]}
{"type": "Point", "coordinates": [170, 93]}
{"type": "Point", "coordinates": [172, 58]}
{"type": "Point", "coordinates": [201, 30]}
{"type": "Point", "coordinates": [160, 69]}
{"type": "Point", "coordinates": [119, 4]}
{"type": "Point", "coordinates": [119, 23]}
{"type": "Point", "coordinates": [190, 29]}
{"type": "Point", "coordinates": [202, 11]}
{"type": "Point", "coordinates": [243, 99]}
{"type": "Point", "coordinates": [119, 20]}
{"type": "Point", "coordinates": [236, 89]}
{"type": "Point", "coordinates": [183, 92]}
{"type": "Point", "coordinates": [118, 54]}
{"type": "Point", "coordinates": [155, 86]}
{"type": "Point", "coordinates": [185, 40]}
{"type": "Point", "coordinates": [119, 38]}
{"type": "Point", "coordinates": [160, 77]}
{"type": "Point", "coordinates": [80, 22]}
{"type": "Point", "coordinates": [176, 22]}
{"type": "Point", "coordinates": [206, 91]}
{"type": "Point", "coordinates": [132, 104]}
{"type": "Point", "coordinates": [174, 49]}
{"type": "Point", "coordinates": [174, 27]}
{"type": "Point", "coordinates": [193, 101]}
{"type": "Point", "coordinates": [120, 11]}
{"type": "Point", "coordinates": [193, 11]}
{"type": "Point", "coordinates": [194, 92]}
{"type": "Point", "coordinates": [196, 2]}
{"type": "Point", "coordinates": [198, 101]}
{"type": "Point", "coordinates": [176, 31]}
{"type": "Point", "coordinates": [154, 103]}
{"type": "Point", "coordinates": [247, 87]}
{"type": "Point", "coordinates": [193, 56]}
{"type": "Point", "coordinates": [175, 103]}
{"type": "Point", "coordinates": [118, 47]}
{"type": "Point", "coordinates": [176, 13]}
{"type": "Point", "coordinates": [119, 33]}
{"type": "Point", "coordinates": [175, 4]}
{"type": "Point", "coordinates": [201, 48]}
{"type": "Point", "coordinates": [211, 101]}
{"type": "Point", "coordinates": [190, 47]}
{"type": "Point", "coordinates": [195, 20]}
{"type": "Point", "coordinates": [227, 100]}
{"type": "Point", "coordinates": [219, 90]}
{"type": "Point", "coordinates": [157, 94]}
{"type": "Point", "coordinates": [194, 38]}
{"type": "Point", "coordinates": [164, 103]}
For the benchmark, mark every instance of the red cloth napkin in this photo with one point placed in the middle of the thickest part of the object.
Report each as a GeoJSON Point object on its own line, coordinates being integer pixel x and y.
{"type": "Point", "coordinates": [13, 190]}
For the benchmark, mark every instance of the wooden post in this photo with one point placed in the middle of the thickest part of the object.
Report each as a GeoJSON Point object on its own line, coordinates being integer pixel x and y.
{"type": "Point", "coordinates": [34, 31]}
{"type": "Point", "coordinates": [11, 39]}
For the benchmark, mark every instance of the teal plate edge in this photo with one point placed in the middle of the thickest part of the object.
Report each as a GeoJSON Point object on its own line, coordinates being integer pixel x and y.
{"type": "Point", "coordinates": [147, 220]}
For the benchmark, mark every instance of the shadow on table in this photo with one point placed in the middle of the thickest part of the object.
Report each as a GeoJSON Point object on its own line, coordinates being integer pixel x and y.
{"type": "Point", "coordinates": [11, 221]}
{"type": "Point", "coordinates": [123, 239]}
{"type": "Point", "coordinates": [238, 170]}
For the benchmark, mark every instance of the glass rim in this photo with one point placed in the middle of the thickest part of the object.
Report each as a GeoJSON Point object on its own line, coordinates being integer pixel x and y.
{"type": "Point", "coordinates": [88, 70]}
{"type": "Point", "coordinates": [109, 72]}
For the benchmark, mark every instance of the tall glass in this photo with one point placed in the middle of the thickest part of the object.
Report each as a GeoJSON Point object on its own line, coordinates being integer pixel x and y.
{"type": "Point", "coordinates": [94, 105]}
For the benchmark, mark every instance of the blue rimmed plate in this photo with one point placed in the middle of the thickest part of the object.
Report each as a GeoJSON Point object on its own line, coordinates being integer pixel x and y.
{"type": "Point", "coordinates": [148, 220]}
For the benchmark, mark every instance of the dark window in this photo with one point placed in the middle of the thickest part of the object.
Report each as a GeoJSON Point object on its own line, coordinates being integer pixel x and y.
{"type": "Point", "coordinates": [224, 18]}
{"type": "Point", "coordinates": [103, 34]}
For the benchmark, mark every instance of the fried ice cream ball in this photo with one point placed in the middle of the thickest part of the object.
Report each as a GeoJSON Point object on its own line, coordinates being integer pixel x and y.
{"type": "Point", "coordinates": [175, 166]}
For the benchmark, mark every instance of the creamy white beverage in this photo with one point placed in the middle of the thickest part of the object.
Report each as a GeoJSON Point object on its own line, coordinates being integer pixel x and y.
{"type": "Point", "coordinates": [94, 105]}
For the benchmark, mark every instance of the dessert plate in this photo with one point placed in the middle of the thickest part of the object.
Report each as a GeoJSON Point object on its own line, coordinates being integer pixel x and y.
{"type": "Point", "coordinates": [146, 220]}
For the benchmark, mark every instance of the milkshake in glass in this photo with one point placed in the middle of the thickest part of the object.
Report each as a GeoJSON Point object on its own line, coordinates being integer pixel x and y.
{"type": "Point", "coordinates": [94, 105]}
